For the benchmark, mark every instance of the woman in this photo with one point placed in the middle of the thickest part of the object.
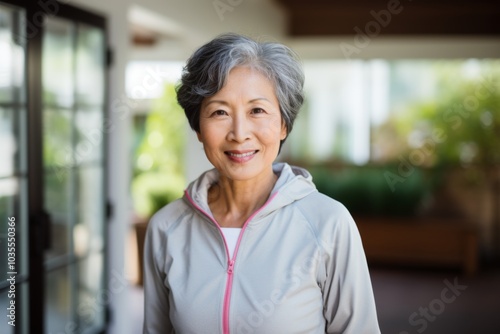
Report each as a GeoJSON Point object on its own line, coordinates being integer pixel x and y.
{"type": "Point", "coordinates": [252, 247]}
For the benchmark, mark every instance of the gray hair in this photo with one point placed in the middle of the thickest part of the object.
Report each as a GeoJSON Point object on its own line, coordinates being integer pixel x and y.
{"type": "Point", "coordinates": [207, 69]}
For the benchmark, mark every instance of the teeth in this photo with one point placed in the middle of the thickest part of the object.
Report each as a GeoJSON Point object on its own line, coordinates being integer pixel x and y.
{"type": "Point", "coordinates": [240, 155]}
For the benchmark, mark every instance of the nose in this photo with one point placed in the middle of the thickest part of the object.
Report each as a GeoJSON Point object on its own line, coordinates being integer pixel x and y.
{"type": "Point", "coordinates": [240, 130]}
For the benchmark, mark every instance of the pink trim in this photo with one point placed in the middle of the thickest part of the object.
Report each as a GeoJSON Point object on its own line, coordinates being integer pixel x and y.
{"type": "Point", "coordinates": [227, 298]}
{"type": "Point", "coordinates": [248, 220]}
{"type": "Point", "coordinates": [231, 262]}
{"type": "Point", "coordinates": [210, 217]}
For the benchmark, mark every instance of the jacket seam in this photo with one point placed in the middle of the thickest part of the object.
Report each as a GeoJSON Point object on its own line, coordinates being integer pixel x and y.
{"type": "Point", "coordinates": [311, 226]}
{"type": "Point", "coordinates": [315, 233]}
{"type": "Point", "coordinates": [162, 249]}
{"type": "Point", "coordinates": [203, 216]}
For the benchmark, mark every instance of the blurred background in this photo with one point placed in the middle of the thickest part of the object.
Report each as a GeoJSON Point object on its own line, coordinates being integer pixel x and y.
{"type": "Point", "coordinates": [401, 124]}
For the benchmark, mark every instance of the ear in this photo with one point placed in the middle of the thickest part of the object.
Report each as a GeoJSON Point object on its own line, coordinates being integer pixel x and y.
{"type": "Point", "coordinates": [198, 134]}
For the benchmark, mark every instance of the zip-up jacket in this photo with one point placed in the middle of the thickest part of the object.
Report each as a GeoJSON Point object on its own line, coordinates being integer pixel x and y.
{"type": "Point", "coordinates": [298, 266]}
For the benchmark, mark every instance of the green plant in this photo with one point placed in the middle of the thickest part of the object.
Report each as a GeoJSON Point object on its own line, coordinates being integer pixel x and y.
{"type": "Point", "coordinates": [364, 190]}
{"type": "Point", "coordinates": [470, 121]}
{"type": "Point", "coordinates": [158, 169]}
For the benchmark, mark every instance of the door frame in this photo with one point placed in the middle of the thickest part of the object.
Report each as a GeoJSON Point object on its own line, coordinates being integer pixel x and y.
{"type": "Point", "coordinates": [38, 220]}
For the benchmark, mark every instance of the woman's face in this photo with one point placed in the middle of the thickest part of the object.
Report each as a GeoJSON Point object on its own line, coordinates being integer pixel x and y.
{"type": "Point", "coordinates": [241, 126]}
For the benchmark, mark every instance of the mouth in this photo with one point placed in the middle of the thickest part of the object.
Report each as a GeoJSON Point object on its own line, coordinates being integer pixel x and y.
{"type": "Point", "coordinates": [241, 156]}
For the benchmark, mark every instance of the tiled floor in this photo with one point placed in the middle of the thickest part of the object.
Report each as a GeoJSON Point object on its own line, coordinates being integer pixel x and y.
{"type": "Point", "coordinates": [442, 302]}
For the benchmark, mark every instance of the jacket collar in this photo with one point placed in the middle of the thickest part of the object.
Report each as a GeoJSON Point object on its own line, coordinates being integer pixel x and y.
{"type": "Point", "coordinates": [293, 184]}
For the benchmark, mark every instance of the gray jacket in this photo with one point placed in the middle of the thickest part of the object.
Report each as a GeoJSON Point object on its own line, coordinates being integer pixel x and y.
{"type": "Point", "coordinates": [298, 266]}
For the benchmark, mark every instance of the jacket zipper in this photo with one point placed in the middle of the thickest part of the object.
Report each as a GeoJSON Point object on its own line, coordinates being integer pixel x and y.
{"type": "Point", "coordinates": [227, 295]}
{"type": "Point", "coordinates": [231, 261]}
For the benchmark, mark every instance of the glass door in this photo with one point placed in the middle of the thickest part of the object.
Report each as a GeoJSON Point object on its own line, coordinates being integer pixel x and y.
{"type": "Point", "coordinates": [73, 102]}
{"type": "Point", "coordinates": [52, 169]}
{"type": "Point", "coordinates": [13, 173]}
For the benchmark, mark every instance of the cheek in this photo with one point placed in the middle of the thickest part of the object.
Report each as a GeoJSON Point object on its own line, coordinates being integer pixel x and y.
{"type": "Point", "coordinates": [271, 130]}
{"type": "Point", "coordinates": [210, 135]}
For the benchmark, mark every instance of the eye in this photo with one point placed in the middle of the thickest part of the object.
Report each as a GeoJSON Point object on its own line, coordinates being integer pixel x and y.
{"type": "Point", "coordinates": [258, 111]}
{"type": "Point", "coordinates": [219, 112]}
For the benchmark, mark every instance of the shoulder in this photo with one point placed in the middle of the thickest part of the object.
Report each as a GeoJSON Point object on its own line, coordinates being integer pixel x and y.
{"type": "Point", "coordinates": [319, 207]}
{"type": "Point", "coordinates": [330, 219]}
{"type": "Point", "coordinates": [168, 216]}
{"type": "Point", "coordinates": [162, 225]}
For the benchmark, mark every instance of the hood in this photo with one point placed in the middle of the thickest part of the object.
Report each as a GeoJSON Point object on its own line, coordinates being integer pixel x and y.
{"type": "Point", "coordinates": [294, 183]}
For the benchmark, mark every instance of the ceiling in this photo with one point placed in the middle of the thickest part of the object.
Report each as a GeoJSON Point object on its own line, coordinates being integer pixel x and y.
{"type": "Point", "coordinates": [392, 17]}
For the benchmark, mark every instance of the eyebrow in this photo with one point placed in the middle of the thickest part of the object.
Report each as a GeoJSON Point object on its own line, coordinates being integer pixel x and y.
{"type": "Point", "coordinates": [225, 103]}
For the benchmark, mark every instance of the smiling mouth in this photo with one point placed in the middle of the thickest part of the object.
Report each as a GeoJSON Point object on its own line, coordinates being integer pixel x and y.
{"type": "Point", "coordinates": [240, 155]}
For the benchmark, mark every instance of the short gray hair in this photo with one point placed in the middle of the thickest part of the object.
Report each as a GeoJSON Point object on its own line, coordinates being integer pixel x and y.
{"type": "Point", "coordinates": [207, 69]}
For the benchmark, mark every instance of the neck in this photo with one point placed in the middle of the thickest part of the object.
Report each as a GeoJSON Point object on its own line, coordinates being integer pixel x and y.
{"type": "Point", "coordinates": [233, 201]}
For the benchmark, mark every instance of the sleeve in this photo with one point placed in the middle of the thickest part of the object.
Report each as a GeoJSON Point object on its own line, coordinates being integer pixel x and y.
{"type": "Point", "coordinates": [156, 294]}
{"type": "Point", "coordinates": [349, 304]}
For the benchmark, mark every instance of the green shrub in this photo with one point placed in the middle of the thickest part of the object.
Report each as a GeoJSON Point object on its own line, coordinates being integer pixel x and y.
{"type": "Point", "coordinates": [364, 190]}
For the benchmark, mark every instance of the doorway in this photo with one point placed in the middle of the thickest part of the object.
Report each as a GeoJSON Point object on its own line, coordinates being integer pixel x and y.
{"type": "Point", "coordinates": [53, 91]}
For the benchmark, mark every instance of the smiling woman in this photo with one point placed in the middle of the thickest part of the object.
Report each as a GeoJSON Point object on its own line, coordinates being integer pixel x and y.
{"type": "Point", "coordinates": [241, 128]}
{"type": "Point", "coordinates": [252, 247]}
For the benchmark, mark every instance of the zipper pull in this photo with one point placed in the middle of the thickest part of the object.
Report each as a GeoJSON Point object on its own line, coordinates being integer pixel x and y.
{"type": "Point", "coordinates": [231, 267]}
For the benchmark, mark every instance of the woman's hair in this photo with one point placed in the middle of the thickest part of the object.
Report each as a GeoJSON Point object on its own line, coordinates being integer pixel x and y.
{"type": "Point", "coordinates": [207, 69]}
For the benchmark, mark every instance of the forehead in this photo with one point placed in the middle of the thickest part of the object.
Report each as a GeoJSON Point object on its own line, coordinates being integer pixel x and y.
{"type": "Point", "coordinates": [247, 83]}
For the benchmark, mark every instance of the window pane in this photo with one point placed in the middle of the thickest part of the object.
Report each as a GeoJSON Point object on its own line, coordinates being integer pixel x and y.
{"type": "Point", "coordinates": [12, 142]}
{"type": "Point", "coordinates": [363, 111]}
{"type": "Point", "coordinates": [8, 142]}
{"type": "Point", "coordinates": [333, 123]}
{"type": "Point", "coordinates": [88, 233]}
{"type": "Point", "coordinates": [57, 139]}
{"type": "Point", "coordinates": [92, 297]}
{"type": "Point", "coordinates": [90, 73]}
{"type": "Point", "coordinates": [58, 200]}
{"type": "Point", "coordinates": [57, 63]}
{"type": "Point", "coordinates": [9, 200]}
{"type": "Point", "coordinates": [13, 209]}
{"type": "Point", "coordinates": [89, 136]}
{"type": "Point", "coordinates": [58, 300]}
{"type": "Point", "coordinates": [58, 182]}
{"type": "Point", "coordinates": [12, 51]}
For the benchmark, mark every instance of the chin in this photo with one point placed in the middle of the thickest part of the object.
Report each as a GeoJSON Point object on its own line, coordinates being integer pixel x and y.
{"type": "Point", "coordinates": [241, 172]}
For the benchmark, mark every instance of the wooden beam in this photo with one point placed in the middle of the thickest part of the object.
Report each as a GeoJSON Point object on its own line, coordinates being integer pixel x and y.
{"type": "Point", "coordinates": [393, 17]}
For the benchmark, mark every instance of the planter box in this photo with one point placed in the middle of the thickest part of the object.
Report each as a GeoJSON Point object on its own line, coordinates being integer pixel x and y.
{"type": "Point", "coordinates": [414, 242]}
{"type": "Point", "coordinates": [140, 232]}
